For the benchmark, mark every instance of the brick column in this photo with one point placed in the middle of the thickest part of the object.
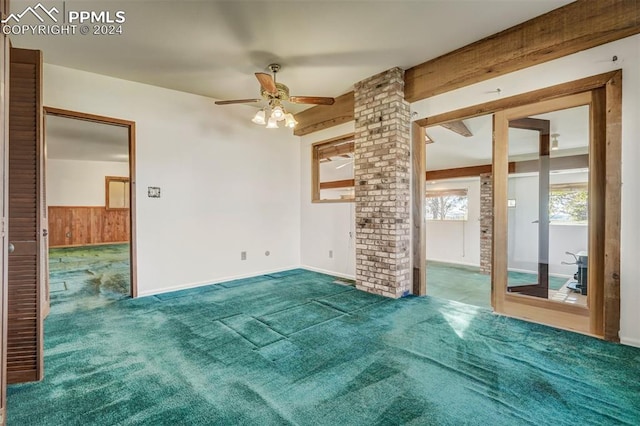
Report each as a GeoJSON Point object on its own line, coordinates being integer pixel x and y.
{"type": "Point", "coordinates": [486, 222]}
{"type": "Point", "coordinates": [382, 190]}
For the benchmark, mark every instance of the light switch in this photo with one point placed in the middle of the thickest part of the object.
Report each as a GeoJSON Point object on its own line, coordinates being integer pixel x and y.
{"type": "Point", "coordinates": [153, 192]}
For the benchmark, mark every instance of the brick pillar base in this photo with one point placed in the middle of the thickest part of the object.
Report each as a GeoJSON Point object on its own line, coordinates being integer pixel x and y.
{"type": "Point", "coordinates": [382, 185]}
{"type": "Point", "coordinates": [486, 222]}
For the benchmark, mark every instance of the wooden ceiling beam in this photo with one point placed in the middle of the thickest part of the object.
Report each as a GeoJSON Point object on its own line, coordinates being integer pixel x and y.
{"type": "Point", "coordinates": [336, 150]}
{"type": "Point", "coordinates": [557, 163]}
{"type": "Point", "coordinates": [458, 127]}
{"type": "Point", "coordinates": [572, 28]}
{"type": "Point", "coordinates": [325, 116]}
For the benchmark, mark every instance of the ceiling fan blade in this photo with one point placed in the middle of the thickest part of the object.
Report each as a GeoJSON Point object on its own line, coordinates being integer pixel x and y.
{"type": "Point", "coordinates": [267, 83]}
{"type": "Point", "coordinates": [315, 100]}
{"type": "Point", "coordinates": [237, 101]}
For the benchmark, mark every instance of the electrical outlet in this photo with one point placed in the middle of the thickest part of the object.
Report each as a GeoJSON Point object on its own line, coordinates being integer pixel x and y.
{"type": "Point", "coordinates": [330, 254]}
{"type": "Point", "coordinates": [243, 255]}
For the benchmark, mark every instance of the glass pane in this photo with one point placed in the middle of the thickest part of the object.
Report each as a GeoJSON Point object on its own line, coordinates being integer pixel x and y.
{"type": "Point", "coordinates": [547, 216]}
{"type": "Point", "coordinates": [117, 195]}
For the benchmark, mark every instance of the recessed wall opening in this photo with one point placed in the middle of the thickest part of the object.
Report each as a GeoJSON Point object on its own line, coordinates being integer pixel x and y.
{"type": "Point", "coordinates": [89, 193]}
{"type": "Point", "coordinates": [458, 161]}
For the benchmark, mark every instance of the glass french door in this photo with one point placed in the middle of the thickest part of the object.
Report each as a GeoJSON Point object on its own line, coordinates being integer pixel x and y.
{"type": "Point", "coordinates": [544, 183]}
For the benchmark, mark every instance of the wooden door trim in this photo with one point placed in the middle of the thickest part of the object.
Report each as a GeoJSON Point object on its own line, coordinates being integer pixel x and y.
{"type": "Point", "coordinates": [131, 126]}
{"type": "Point", "coordinates": [547, 93]}
{"type": "Point", "coordinates": [4, 206]}
{"type": "Point", "coordinates": [611, 83]}
{"type": "Point", "coordinates": [418, 185]}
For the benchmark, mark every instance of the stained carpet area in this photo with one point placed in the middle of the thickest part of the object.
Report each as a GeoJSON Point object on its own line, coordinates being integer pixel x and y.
{"type": "Point", "coordinates": [294, 348]}
{"type": "Point", "coordinates": [467, 285]}
{"type": "Point", "coordinates": [89, 276]}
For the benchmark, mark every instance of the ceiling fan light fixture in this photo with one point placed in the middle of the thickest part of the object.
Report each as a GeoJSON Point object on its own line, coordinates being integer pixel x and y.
{"type": "Point", "coordinates": [259, 118]}
{"type": "Point", "coordinates": [277, 112]}
{"type": "Point", "coordinates": [273, 123]}
{"type": "Point", "coordinates": [290, 121]}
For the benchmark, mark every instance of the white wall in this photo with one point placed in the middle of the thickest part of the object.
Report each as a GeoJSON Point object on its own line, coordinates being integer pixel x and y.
{"type": "Point", "coordinates": [523, 233]}
{"type": "Point", "coordinates": [583, 64]}
{"type": "Point", "coordinates": [456, 241]}
{"type": "Point", "coordinates": [325, 226]}
{"type": "Point", "coordinates": [227, 184]}
{"type": "Point", "coordinates": [80, 183]}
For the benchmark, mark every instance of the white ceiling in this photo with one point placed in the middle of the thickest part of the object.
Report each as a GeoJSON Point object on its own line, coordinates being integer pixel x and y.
{"type": "Point", "coordinates": [71, 139]}
{"type": "Point", "coordinates": [213, 48]}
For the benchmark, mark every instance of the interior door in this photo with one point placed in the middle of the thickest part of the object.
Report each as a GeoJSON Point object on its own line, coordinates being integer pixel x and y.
{"type": "Point", "coordinates": [24, 324]}
{"type": "Point", "coordinates": [547, 216]}
{"type": "Point", "coordinates": [4, 138]}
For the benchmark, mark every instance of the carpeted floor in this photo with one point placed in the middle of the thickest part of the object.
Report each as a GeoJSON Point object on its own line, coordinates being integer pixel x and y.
{"type": "Point", "coordinates": [467, 285]}
{"type": "Point", "coordinates": [296, 348]}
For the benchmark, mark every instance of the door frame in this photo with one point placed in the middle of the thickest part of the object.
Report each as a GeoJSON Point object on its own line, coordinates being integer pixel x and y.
{"type": "Point", "coordinates": [532, 307]}
{"type": "Point", "coordinates": [607, 89]}
{"type": "Point", "coordinates": [131, 126]}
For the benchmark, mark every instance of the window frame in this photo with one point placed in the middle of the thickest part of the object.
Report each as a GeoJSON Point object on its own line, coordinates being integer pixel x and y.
{"type": "Point", "coordinates": [107, 181]}
{"type": "Point", "coordinates": [316, 184]}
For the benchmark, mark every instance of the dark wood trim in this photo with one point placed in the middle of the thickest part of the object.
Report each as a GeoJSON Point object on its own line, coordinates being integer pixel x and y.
{"type": "Point", "coordinates": [325, 116]}
{"type": "Point", "coordinates": [575, 27]}
{"type": "Point", "coordinates": [459, 172]}
{"type": "Point", "coordinates": [597, 201]}
{"type": "Point", "coordinates": [613, 196]}
{"type": "Point", "coordinates": [418, 184]}
{"type": "Point", "coordinates": [131, 125]}
{"type": "Point", "coordinates": [133, 247]}
{"type": "Point", "coordinates": [334, 184]}
{"type": "Point", "coordinates": [552, 92]}
{"type": "Point", "coordinates": [4, 206]}
{"type": "Point", "coordinates": [87, 117]}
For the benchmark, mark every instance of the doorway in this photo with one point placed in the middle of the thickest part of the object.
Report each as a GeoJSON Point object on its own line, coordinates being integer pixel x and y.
{"type": "Point", "coordinates": [557, 188]}
{"type": "Point", "coordinates": [90, 189]}
{"type": "Point", "coordinates": [458, 158]}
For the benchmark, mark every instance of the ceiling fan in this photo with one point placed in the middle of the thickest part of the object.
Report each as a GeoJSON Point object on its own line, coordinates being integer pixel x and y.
{"type": "Point", "coordinates": [275, 93]}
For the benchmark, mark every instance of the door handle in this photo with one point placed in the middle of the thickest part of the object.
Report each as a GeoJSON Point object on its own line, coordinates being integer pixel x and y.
{"type": "Point", "coordinates": [45, 232]}
{"type": "Point", "coordinates": [11, 248]}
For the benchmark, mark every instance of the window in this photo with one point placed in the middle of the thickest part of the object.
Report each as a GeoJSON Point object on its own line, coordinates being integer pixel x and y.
{"type": "Point", "coordinates": [332, 170]}
{"type": "Point", "coordinates": [117, 192]}
{"type": "Point", "coordinates": [568, 203]}
{"type": "Point", "coordinates": [449, 204]}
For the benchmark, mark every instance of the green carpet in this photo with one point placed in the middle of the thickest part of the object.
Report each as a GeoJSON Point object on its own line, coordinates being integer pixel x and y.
{"type": "Point", "coordinates": [294, 348]}
{"type": "Point", "coordinates": [467, 285]}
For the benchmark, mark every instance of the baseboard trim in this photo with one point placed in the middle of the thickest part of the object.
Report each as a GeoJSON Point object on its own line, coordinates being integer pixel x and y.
{"type": "Point", "coordinates": [213, 281]}
{"type": "Point", "coordinates": [629, 341]}
{"type": "Point", "coordinates": [327, 272]}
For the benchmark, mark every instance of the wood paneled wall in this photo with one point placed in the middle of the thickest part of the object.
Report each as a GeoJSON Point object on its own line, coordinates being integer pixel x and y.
{"type": "Point", "coordinates": [76, 226]}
